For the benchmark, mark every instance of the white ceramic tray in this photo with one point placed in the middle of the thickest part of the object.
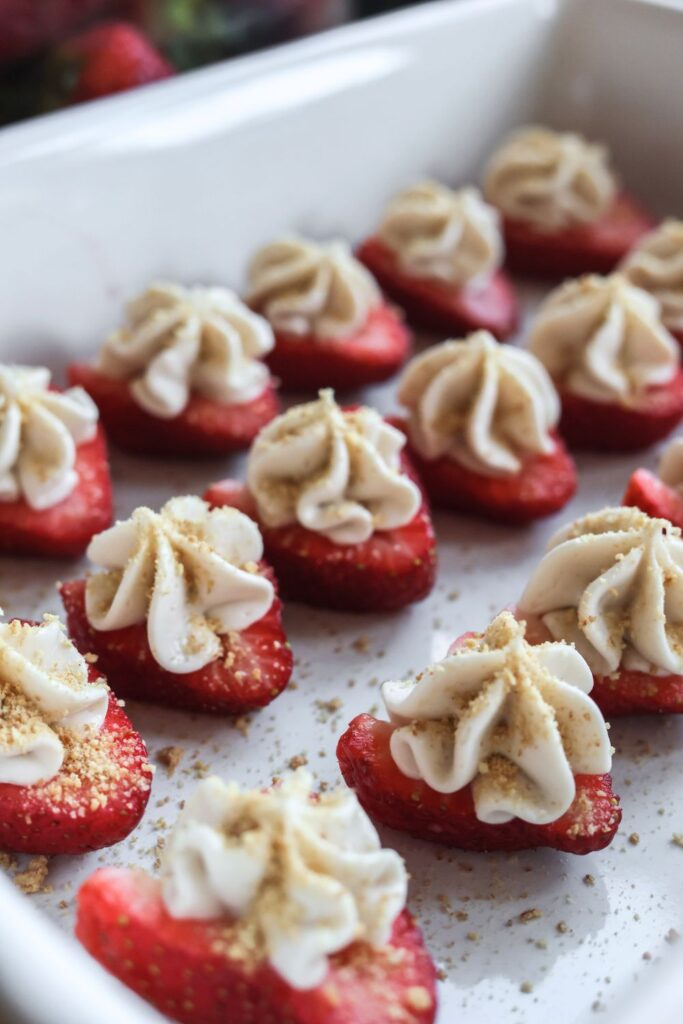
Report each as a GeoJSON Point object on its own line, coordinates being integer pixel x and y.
{"type": "Point", "coordinates": [183, 180]}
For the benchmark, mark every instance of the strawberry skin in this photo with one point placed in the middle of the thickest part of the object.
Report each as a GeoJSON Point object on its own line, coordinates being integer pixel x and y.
{"type": "Point", "coordinates": [650, 494]}
{"type": "Point", "coordinates": [369, 356]}
{"type": "Point", "coordinates": [65, 529]}
{"type": "Point", "coordinates": [392, 569]}
{"type": "Point", "coordinates": [204, 428]}
{"type": "Point", "coordinates": [111, 58]}
{"type": "Point", "coordinates": [609, 426]}
{"type": "Point", "coordinates": [255, 666]}
{"type": "Point", "coordinates": [183, 967]}
{"type": "Point", "coordinates": [410, 805]}
{"type": "Point", "coordinates": [438, 306]}
{"type": "Point", "coordinates": [590, 248]}
{"type": "Point", "coordinates": [545, 485]}
{"type": "Point", "coordinates": [63, 816]}
{"type": "Point", "coordinates": [28, 27]}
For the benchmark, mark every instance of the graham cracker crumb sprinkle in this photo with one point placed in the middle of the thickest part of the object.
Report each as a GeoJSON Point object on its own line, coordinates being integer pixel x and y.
{"type": "Point", "coordinates": [169, 758]}
{"type": "Point", "coordinates": [530, 915]}
{"type": "Point", "coordinates": [298, 761]}
{"type": "Point", "coordinates": [634, 839]}
{"type": "Point", "coordinates": [677, 839]}
{"type": "Point", "coordinates": [32, 879]}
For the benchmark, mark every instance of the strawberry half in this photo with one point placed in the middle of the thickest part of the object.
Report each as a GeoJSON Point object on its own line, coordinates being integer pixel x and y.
{"type": "Point", "coordinates": [392, 569]}
{"type": "Point", "coordinates": [589, 248]}
{"type": "Point", "coordinates": [650, 494]}
{"type": "Point", "coordinates": [438, 306]}
{"type": "Point", "coordinates": [624, 692]}
{"type": "Point", "coordinates": [609, 426]}
{"type": "Point", "coordinates": [411, 806]}
{"type": "Point", "coordinates": [96, 800]}
{"type": "Point", "coordinates": [545, 484]}
{"type": "Point", "coordinates": [369, 356]}
{"type": "Point", "coordinates": [255, 666]}
{"type": "Point", "coordinates": [65, 529]}
{"type": "Point", "coordinates": [185, 969]}
{"type": "Point", "coordinates": [204, 428]}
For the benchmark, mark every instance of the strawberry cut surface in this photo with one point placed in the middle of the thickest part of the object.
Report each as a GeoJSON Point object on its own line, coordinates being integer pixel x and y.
{"type": "Point", "coordinates": [204, 428]}
{"type": "Point", "coordinates": [392, 569]}
{"type": "Point", "coordinates": [609, 426]}
{"type": "Point", "coordinates": [545, 485]}
{"type": "Point", "coordinates": [254, 668]}
{"type": "Point", "coordinates": [185, 967]}
{"type": "Point", "coordinates": [411, 806]}
{"type": "Point", "coordinates": [369, 356]}
{"type": "Point", "coordinates": [97, 798]}
{"type": "Point", "coordinates": [65, 529]}
{"type": "Point", "coordinates": [589, 248]}
{"type": "Point", "coordinates": [437, 306]}
{"type": "Point", "coordinates": [650, 494]}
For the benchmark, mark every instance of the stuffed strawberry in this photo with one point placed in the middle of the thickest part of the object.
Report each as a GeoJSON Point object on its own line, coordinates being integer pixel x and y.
{"type": "Point", "coordinates": [563, 214]}
{"type": "Point", "coordinates": [344, 523]}
{"type": "Point", "coordinates": [660, 495]}
{"type": "Point", "coordinates": [55, 489]}
{"type": "Point", "coordinates": [183, 612]}
{"type": "Point", "coordinates": [273, 905]}
{"type": "Point", "coordinates": [437, 253]}
{"type": "Point", "coordinates": [612, 585]}
{"type": "Point", "coordinates": [106, 59]}
{"type": "Point", "coordinates": [74, 774]}
{"type": "Point", "coordinates": [185, 376]}
{"type": "Point", "coordinates": [656, 265]}
{"type": "Point", "coordinates": [332, 328]}
{"type": "Point", "coordinates": [497, 747]}
{"type": "Point", "coordinates": [482, 430]}
{"type": "Point", "coordinates": [616, 367]}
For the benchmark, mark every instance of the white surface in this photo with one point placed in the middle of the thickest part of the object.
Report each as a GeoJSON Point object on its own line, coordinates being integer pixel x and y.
{"type": "Point", "coordinates": [184, 179]}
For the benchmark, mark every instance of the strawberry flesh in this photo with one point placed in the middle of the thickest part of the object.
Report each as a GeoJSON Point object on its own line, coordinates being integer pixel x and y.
{"type": "Point", "coordinates": [254, 668]}
{"type": "Point", "coordinates": [650, 494]}
{"type": "Point", "coordinates": [204, 428]}
{"type": "Point", "coordinates": [411, 806]}
{"type": "Point", "coordinates": [438, 306]}
{"type": "Point", "coordinates": [185, 967]}
{"type": "Point", "coordinates": [369, 356]}
{"type": "Point", "coordinates": [111, 58]}
{"type": "Point", "coordinates": [65, 529]}
{"type": "Point", "coordinates": [590, 248]}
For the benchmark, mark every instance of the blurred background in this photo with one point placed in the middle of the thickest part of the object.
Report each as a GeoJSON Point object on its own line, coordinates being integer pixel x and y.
{"type": "Point", "coordinates": [54, 53]}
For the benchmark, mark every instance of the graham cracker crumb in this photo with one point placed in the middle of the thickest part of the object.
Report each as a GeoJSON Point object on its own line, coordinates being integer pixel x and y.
{"type": "Point", "coordinates": [32, 879]}
{"type": "Point", "coordinates": [298, 761]}
{"type": "Point", "coordinates": [418, 998]}
{"type": "Point", "coordinates": [588, 880]}
{"type": "Point", "coordinates": [530, 915]}
{"type": "Point", "coordinates": [526, 987]}
{"type": "Point", "coordinates": [634, 839]}
{"type": "Point", "coordinates": [169, 758]}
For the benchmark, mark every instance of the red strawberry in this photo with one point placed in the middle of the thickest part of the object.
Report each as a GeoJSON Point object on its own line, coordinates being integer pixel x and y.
{"type": "Point", "coordinates": [65, 529]}
{"type": "Point", "coordinates": [650, 494]}
{"type": "Point", "coordinates": [590, 248]}
{"type": "Point", "coordinates": [96, 800]}
{"type": "Point", "coordinates": [392, 569]}
{"type": "Point", "coordinates": [30, 25]}
{"type": "Point", "coordinates": [204, 428]}
{"type": "Point", "coordinates": [545, 484]}
{"type": "Point", "coordinates": [107, 59]}
{"type": "Point", "coordinates": [184, 967]}
{"type": "Point", "coordinates": [254, 669]}
{"type": "Point", "coordinates": [624, 692]}
{"type": "Point", "coordinates": [437, 306]}
{"type": "Point", "coordinates": [609, 426]}
{"type": "Point", "coordinates": [371, 355]}
{"type": "Point", "coordinates": [409, 805]}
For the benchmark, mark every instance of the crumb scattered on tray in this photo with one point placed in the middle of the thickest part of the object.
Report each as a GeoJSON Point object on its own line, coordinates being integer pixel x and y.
{"type": "Point", "coordinates": [169, 758]}
{"type": "Point", "coordinates": [32, 879]}
{"type": "Point", "coordinates": [298, 761]}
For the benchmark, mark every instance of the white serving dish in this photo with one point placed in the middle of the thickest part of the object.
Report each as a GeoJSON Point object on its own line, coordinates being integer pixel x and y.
{"type": "Point", "coordinates": [184, 179]}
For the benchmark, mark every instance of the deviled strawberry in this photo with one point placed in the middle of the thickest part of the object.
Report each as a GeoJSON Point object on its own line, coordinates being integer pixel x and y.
{"type": "Point", "coordinates": [182, 610]}
{"type": "Point", "coordinates": [660, 494]}
{"type": "Point", "coordinates": [438, 254]}
{"type": "Point", "coordinates": [482, 430]}
{"type": "Point", "coordinates": [612, 585]}
{"type": "Point", "coordinates": [655, 264]}
{"type": "Point", "coordinates": [563, 213]}
{"type": "Point", "coordinates": [74, 774]}
{"type": "Point", "coordinates": [616, 367]}
{"type": "Point", "coordinates": [496, 747]}
{"type": "Point", "coordinates": [275, 906]}
{"type": "Point", "coordinates": [332, 327]}
{"type": "Point", "coordinates": [185, 376]}
{"type": "Point", "coordinates": [55, 489]}
{"type": "Point", "coordinates": [344, 522]}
